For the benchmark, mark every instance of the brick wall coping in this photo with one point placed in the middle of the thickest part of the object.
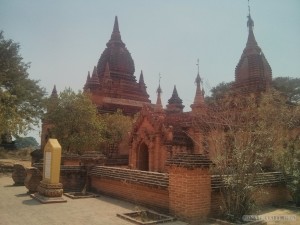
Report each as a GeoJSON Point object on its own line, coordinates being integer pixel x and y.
{"type": "Point", "coordinates": [189, 160]}
{"type": "Point", "coordinates": [72, 168]}
{"type": "Point", "coordinates": [117, 162]}
{"type": "Point", "coordinates": [92, 155]}
{"type": "Point", "coordinates": [70, 156]}
{"type": "Point", "coordinates": [62, 167]}
{"type": "Point", "coordinates": [160, 180]}
{"type": "Point", "coordinates": [267, 178]}
{"type": "Point", "coordinates": [88, 154]}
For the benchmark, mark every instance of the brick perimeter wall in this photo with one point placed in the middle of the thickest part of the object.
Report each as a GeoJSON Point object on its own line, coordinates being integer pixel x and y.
{"type": "Point", "coordinates": [272, 195]}
{"type": "Point", "coordinates": [215, 203]}
{"type": "Point", "coordinates": [152, 197]}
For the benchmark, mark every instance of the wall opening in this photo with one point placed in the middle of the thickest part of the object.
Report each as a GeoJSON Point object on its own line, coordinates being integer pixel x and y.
{"type": "Point", "coordinates": [143, 158]}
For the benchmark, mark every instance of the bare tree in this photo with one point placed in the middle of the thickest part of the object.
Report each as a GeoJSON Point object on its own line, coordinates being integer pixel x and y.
{"type": "Point", "coordinates": [240, 144]}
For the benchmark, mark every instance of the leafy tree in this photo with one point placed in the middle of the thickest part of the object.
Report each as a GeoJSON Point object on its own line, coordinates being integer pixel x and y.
{"type": "Point", "coordinates": [289, 86]}
{"type": "Point", "coordinates": [284, 121]}
{"type": "Point", "coordinates": [75, 121]}
{"type": "Point", "coordinates": [218, 92]}
{"type": "Point", "coordinates": [21, 104]}
{"type": "Point", "coordinates": [117, 127]}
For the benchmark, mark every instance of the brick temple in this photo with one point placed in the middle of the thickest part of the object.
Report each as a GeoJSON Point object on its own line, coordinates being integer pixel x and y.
{"type": "Point", "coordinates": [159, 133]}
{"type": "Point", "coordinates": [169, 154]}
{"type": "Point", "coordinates": [112, 84]}
{"type": "Point", "coordinates": [253, 72]}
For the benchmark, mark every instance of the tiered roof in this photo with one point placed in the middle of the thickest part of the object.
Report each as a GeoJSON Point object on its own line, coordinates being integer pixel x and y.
{"type": "Point", "coordinates": [113, 85]}
{"type": "Point", "coordinates": [175, 103]}
{"type": "Point", "coordinates": [253, 72]}
{"type": "Point", "coordinates": [117, 55]}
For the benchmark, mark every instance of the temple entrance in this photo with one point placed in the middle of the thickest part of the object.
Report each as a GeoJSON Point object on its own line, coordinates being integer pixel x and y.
{"type": "Point", "coordinates": [143, 158]}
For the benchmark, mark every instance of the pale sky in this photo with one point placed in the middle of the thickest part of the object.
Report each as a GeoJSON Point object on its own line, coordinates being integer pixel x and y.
{"type": "Point", "coordinates": [63, 40]}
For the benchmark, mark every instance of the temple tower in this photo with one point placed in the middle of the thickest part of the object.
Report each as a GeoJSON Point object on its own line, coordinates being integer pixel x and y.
{"type": "Point", "coordinates": [46, 124]}
{"type": "Point", "coordinates": [175, 103]}
{"type": "Point", "coordinates": [253, 73]}
{"type": "Point", "coordinates": [198, 104]}
{"type": "Point", "coordinates": [158, 105]}
{"type": "Point", "coordinates": [113, 85]}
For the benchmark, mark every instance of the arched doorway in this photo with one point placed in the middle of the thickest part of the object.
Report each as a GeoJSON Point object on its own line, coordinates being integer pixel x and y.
{"type": "Point", "coordinates": [143, 158]}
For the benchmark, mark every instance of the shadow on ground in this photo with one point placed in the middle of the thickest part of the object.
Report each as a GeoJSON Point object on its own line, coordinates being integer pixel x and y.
{"type": "Point", "coordinates": [31, 202]}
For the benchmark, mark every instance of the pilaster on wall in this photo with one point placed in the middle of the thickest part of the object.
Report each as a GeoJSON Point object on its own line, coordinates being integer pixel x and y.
{"type": "Point", "coordinates": [189, 187]}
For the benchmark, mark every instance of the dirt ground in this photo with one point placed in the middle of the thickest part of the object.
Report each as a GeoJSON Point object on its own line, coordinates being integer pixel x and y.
{"type": "Point", "coordinates": [285, 215]}
{"type": "Point", "coordinates": [13, 161]}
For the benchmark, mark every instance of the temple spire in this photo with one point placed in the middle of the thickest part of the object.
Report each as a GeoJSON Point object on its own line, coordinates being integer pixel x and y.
{"type": "Point", "coordinates": [199, 96]}
{"type": "Point", "coordinates": [54, 92]}
{"type": "Point", "coordinates": [159, 91]}
{"type": "Point", "coordinates": [175, 103]}
{"type": "Point", "coordinates": [94, 79]}
{"type": "Point", "coordinates": [94, 74]}
{"type": "Point", "coordinates": [251, 42]}
{"type": "Point", "coordinates": [141, 80]}
{"type": "Point", "coordinates": [116, 36]}
{"type": "Point", "coordinates": [53, 100]}
{"type": "Point", "coordinates": [88, 77]}
{"type": "Point", "coordinates": [175, 93]}
{"type": "Point", "coordinates": [253, 72]}
{"type": "Point", "coordinates": [116, 25]}
{"type": "Point", "coordinates": [198, 65]}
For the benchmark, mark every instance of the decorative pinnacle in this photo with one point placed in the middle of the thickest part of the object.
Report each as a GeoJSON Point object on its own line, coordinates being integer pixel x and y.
{"type": "Point", "coordinates": [159, 91]}
{"type": "Point", "coordinates": [141, 80]}
{"type": "Point", "coordinates": [250, 22]}
{"type": "Point", "coordinates": [198, 79]}
{"type": "Point", "coordinates": [116, 26]}
{"type": "Point", "coordinates": [251, 42]}
{"type": "Point", "coordinates": [116, 36]}
{"type": "Point", "coordinates": [54, 92]}
{"type": "Point", "coordinates": [175, 93]}
{"type": "Point", "coordinates": [94, 71]}
{"type": "Point", "coordinates": [88, 76]}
